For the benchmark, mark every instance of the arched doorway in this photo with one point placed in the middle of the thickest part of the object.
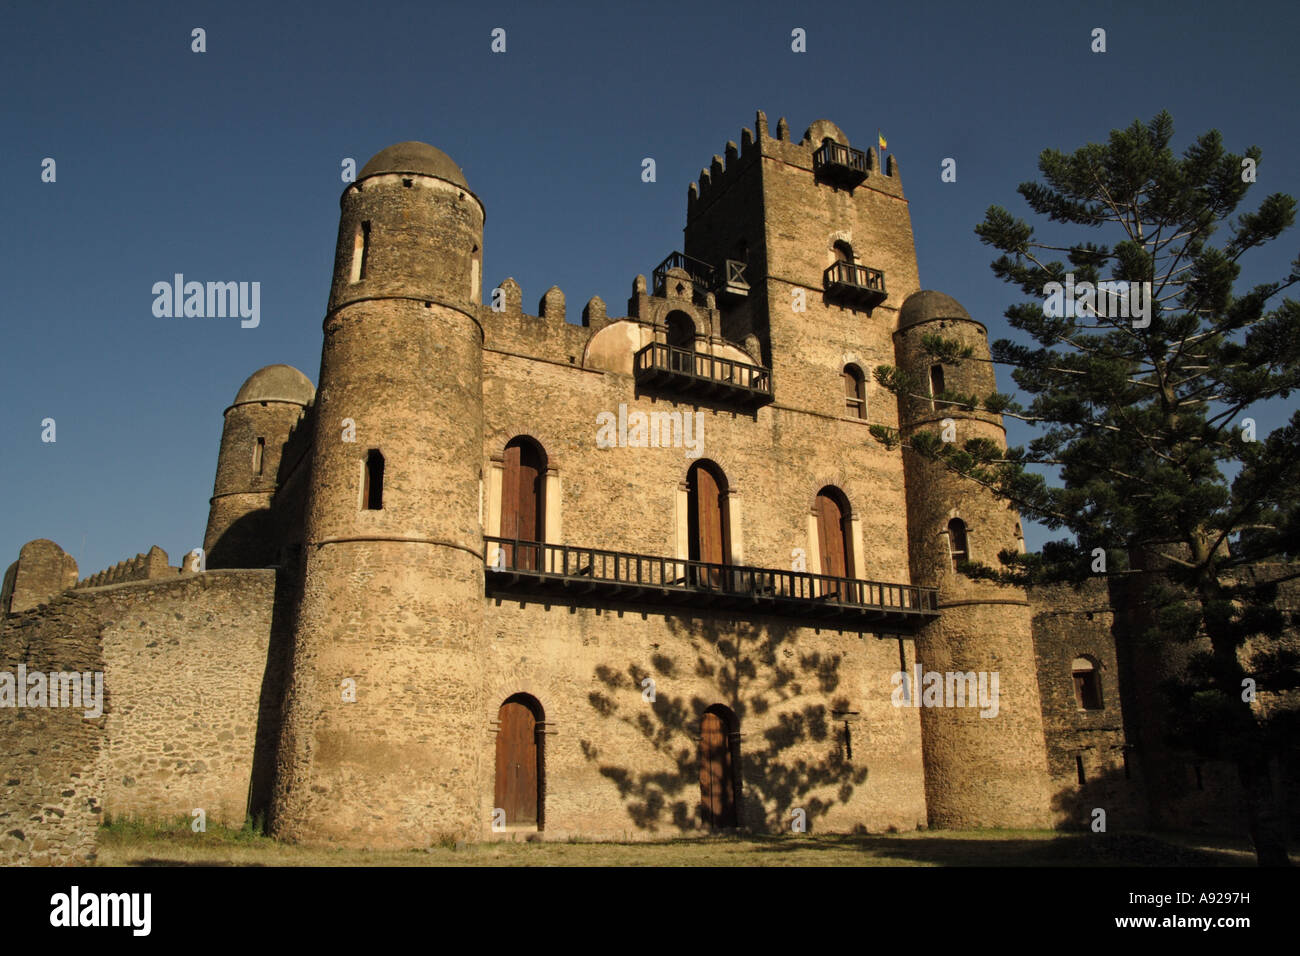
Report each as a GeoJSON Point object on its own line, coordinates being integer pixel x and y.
{"type": "Point", "coordinates": [681, 340]}
{"type": "Point", "coordinates": [520, 761]}
{"type": "Point", "coordinates": [718, 759]}
{"type": "Point", "coordinates": [523, 503]}
{"type": "Point", "coordinates": [708, 525]}
{"type": "Point", "coordinates": [834, 533]}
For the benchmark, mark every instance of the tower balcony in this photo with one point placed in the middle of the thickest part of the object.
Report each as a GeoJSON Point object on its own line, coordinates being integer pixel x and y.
{"type": "Point", "coordinates": [684, 373]}
{"type": "Point", "coordinates": [702, 275]}
{"type": "Point", "coordinates": [854, 283]}
{"type": "Point", "coordinates": [839, 165]}
{"type": "Point", "coordinates": [597, 575]}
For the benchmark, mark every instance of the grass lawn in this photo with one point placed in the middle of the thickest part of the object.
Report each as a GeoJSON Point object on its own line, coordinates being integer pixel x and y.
{"type": "Point", "coordinates": [138, 844]}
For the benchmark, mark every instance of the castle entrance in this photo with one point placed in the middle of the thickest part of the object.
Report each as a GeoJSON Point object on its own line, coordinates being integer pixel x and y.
{"type": "Point", "coordinates": [518, 762]}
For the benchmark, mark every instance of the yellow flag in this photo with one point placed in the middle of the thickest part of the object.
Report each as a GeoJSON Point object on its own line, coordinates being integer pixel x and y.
{"type": "Point", "coordinates": [880, 136]}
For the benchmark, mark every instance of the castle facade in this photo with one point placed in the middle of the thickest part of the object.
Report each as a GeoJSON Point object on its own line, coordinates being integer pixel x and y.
{"type": "Point", "coordinates": [501, 574]}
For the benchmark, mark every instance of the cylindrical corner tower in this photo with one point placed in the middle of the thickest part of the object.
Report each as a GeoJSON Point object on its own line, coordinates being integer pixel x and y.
{"type": "Point", "coordinates": [383, 714]}
{"type": "Point", "coordinates": [240, 532]}
{"type": "Point", "coordinates": [985, 766]}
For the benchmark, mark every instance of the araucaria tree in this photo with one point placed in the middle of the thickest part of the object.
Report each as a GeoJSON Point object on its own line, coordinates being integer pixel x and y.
{"type": "Point", "coordinates": [1146, 394]}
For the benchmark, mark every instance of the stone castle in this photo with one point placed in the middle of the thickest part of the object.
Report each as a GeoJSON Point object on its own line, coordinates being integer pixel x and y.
{"type": "Point", "coordinates": [502, 575]}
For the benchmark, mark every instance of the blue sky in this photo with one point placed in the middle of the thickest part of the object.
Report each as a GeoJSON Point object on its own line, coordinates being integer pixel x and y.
{"type": "Point", "coordinates": [225, 166]}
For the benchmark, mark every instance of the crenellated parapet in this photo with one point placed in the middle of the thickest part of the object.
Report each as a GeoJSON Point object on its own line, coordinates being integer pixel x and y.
{"type": "Point", "coordinates": [149, 566]}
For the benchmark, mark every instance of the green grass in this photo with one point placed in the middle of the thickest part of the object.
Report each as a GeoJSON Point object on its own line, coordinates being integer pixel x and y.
{"type": "Point", "coordinates": [173, 843]}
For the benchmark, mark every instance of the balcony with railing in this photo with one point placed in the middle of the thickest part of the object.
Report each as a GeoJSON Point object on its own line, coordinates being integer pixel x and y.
{"type": "Point", "coordinates": [702, 275]}
{"type": "Point", "coordinates": [840, 165]}
{"type": "Point", "coordinates": [685, 373]}
{"type": "Point", "coordinates": [854, 283]}
{"type": "Point", "coordinates": [515, 566]}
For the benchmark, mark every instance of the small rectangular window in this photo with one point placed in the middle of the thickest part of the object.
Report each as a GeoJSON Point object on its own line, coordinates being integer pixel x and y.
{"type": "Point", "coordinates": [372, 492]}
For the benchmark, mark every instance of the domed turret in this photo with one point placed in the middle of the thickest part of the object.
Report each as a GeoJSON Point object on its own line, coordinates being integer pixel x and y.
{"type": "Point", "coordinates": [258, 423]}
{"type": "Point", "coordinates": [983, 767]}
{"type": "Point", "coordinates": [392, 527]}
{"type": "Point", "coordinates": [417, 158]}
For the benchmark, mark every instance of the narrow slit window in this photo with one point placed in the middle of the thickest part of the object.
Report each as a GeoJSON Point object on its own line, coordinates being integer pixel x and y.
{"type": "Point", "coordinates": [936, 386]}
{"type": "Point", "coordinates": [958, 548]}
{"type": "Point", "coordinates": [372, 493]}
{"type": "Point", "coordinates": [1078, 769]}
{"type": "Point", "coordinates": [361, 251]}
{"type": "Point", "coordinates": [259, 450]}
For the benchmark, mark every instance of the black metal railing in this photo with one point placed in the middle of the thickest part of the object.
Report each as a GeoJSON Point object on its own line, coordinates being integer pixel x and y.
{"type": "Point", "coordinates": [702, 274]}
{"type": "Point", "coordinates": [841, 163]}
{"type": "Point", "coordinates": [512, 564]}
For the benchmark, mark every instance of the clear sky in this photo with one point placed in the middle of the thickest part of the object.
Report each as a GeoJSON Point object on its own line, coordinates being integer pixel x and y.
{"type": "Point", "coordinates": [225, 165]}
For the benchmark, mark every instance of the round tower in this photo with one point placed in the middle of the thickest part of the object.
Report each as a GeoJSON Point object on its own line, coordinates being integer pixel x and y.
{"type": "Point", "coordinates": [985, 766]}
{"type": "Point", "coordinates": [383, 730]}
{"type": "Point", "coordinates": [266, 408]}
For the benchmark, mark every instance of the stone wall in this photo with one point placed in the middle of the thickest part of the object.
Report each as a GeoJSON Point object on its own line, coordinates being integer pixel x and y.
{"type": "Point", "coordinates": [51, 758]}
{"type": "Point", "coordinates": [1080, 622]}
{"type": "Point", "coordinates": [184, 662]}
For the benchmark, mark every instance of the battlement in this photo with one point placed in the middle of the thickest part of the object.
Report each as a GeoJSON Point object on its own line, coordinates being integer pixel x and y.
{"type": "Point", "coordinates": [725, 169]}
{"type": "Point", "coordinates": [143, 567]}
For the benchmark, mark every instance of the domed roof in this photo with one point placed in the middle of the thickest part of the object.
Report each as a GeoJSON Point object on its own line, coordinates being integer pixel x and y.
{"type": "Point", "coordinates": [928, 304]}
{"type": "Point", "coordinates": [414, 157]}
{"type": "Point", "coordinates": [277, 383]}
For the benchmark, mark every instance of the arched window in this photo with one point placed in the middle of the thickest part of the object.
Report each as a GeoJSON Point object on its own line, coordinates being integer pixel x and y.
{"type": "Point", "coordinates": [708, 524]}
{"type": "Point", "coordinates": [843, 251]}
{"type": "Point", "coordinates": [523, 503]}
{"type": "Point", "coordinates": [681, 335]}
{"type": "Point", "coordinates": [372, 488]}
{"type": "Point", "coordinates": [521, 767]}
{"type": "Point", "coordinates": [855, 392]}
{"type": "Point", "coordinates": [1087, 683]}
{"type": "Point", "coordinates": [719, 758]}
{"type": "Point", "coordinates": [834, 533]}
{"type": "Point", "coordinates": [957, 545]}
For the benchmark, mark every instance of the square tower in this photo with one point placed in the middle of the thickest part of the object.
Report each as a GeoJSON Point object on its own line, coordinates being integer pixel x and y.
{"type": "Point", "coordinates": [814, 225]}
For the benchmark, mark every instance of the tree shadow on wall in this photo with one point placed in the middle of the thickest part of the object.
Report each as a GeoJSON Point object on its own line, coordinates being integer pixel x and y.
{"type": "Point", "coordinates": [799, 760]}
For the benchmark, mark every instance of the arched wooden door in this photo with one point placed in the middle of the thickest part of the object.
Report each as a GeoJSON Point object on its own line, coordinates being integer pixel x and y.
{"type": "Point", "coordinates": [834, 536]}
{"type": "Point", "coordinates": [707, 522]}
{"type": "Point", "coordinates": [523, 503]}
{"type": "Point", "coordinates": [517, 764]}
{"type": "Point", "coordinates": [717, 775]}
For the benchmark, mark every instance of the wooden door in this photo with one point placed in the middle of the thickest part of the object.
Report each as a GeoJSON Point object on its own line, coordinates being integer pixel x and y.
{"type": "Point", "coordinates": [717, 782]}
{"type": "Point", "coordinates": [516, 787]}
{"type": "Point", "coordinates": [709, 537]}
{"type": "Point", "coordinates": [833, 538]}
{"type": "Point", "coordinates": [522, 508]}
